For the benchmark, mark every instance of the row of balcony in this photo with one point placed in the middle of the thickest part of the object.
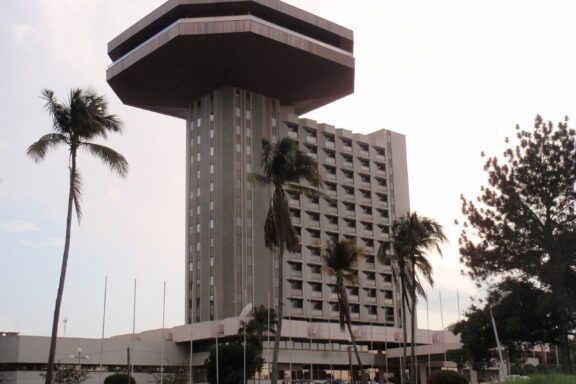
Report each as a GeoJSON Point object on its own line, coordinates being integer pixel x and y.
{"type": "Point", "coordinates": [329, 141]}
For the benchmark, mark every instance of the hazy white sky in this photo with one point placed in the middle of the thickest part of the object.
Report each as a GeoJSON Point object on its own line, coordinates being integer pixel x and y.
{"type": "Point", "coordinates": [453, 76]}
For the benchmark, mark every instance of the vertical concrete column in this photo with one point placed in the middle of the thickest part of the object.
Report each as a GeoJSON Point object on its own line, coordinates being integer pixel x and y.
{"type": "Point", "coordinates": [422, 373]}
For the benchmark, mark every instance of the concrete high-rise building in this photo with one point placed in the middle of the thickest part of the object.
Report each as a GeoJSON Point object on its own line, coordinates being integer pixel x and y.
{"type": "Point", "coordinates": [237, 71]}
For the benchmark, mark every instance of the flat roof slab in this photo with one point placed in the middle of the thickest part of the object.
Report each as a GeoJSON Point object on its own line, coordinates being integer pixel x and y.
{"type": "Point", "coordinates": [194, 56]}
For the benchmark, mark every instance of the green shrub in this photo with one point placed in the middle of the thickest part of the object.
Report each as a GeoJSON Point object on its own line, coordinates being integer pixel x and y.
{"type": "Point", "coordinates": [447, 377]}
{"type": "Point", "coordinates": [119, 378]}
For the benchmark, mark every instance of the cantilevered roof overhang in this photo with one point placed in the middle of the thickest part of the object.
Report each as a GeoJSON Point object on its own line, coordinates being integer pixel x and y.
{"type": "Point", "coordinates": [163, 67]}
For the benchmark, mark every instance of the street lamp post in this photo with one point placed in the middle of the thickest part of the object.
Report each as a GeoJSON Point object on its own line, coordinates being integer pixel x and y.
{"type": "Point", "coordinates": [242, 319]}
{"type": "Point", "coordinates": [78, 355]}
{"type": "Point", "coordinates": [502, 364]}
{"type": "Point", "coordinates": [502, 372]}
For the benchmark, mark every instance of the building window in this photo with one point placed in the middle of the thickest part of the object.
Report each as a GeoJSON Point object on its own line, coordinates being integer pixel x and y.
{"type": "Point", "coordinates": [311, 136]}
{"type": "Point", "coordinates": [296, 303]}
{"type": "Point", "coordinates": [198, 139]}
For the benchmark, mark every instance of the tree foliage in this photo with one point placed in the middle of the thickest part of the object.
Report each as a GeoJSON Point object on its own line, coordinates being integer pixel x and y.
{"type": "Point", "coordinates": [447, 377]}
{"type": "Point", "coordinates": [83, 117]}
{"type": "Point", "coordinates": [412, 237]}
{"type": "Point", "coordinates": [68, 374]}
{"type": "Point", "coordinates": [523, 225]}
{"type": "Point", "coordinates": [231, 362]}
{"type": "Point", "coordinates": [263, 321]}
{"type": "Point", "coordinates": [119, 378]}
{"type": "Point", "coordinates": [522, 314]}
{"type": "Point", "coordinates": [283, 167]}
{"type": "Point", "coordinates": [340, 260]}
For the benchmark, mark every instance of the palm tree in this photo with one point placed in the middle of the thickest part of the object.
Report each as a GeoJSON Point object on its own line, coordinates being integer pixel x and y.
{"type": "Point", "coordinates": [400, 273]}
{"type": "Point", "coordinates": [263, 320]}
{"type": "Point", "coordinates": [340, 259]}
{"type": "Point", "coordinates": [82, 117]}
{"type": "Point", "coordinates": [413, 236]}
{"type": "Point", "coordinates": [284, 165]}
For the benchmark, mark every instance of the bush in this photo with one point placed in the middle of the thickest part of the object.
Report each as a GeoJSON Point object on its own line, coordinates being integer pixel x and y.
{"type": "Point", "coordinates": [119, 378]}
{"type": "Point", "coordinates": [447, 377]}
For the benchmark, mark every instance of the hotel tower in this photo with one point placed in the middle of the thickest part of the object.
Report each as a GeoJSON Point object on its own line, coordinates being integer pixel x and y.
{"type": "Point", "coordinates": [236, 71]}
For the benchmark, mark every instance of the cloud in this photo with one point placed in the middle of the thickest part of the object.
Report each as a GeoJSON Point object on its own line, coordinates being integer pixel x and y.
{"type": "Point", "coordinates": [3, 145]}
{"type": "Point", "coordinates": [15, 226]}
{"type": "Point", "coordinates": [48, 243]}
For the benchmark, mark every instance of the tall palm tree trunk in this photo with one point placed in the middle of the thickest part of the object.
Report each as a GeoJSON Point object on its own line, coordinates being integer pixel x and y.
{"type": "Point", "coordinates": [404, 336]}
{"type": "Point", "coordinates": [413, 373]}
{"type": "Point", "coordinates": [349, 324]}
{"type": "Point", "coordinates": [355, 347]}
{"type": "Point", "coordinates": [56, 319]}
{"type": "Point", "coordinates": [280, 305]}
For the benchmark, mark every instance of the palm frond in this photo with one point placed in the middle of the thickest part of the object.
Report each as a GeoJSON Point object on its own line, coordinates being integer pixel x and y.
{"type": "Point", "coordinates": [258, 179]}
{"type": "Point", "coordinates": [60, 113]}
{"type": "Point", "coordinates": [110, 157]}
{"type": "Point", "coordinates": [38, 150]}
{"type": "Point", "coordinates": [270, 231]}
{"type": "Point", "coordinates": [306, 191]}
{"type": "Point", "coordinates": [76, 181]}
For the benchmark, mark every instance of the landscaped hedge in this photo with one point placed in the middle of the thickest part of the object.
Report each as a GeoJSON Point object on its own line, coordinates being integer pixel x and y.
{"type": "Point", "coordinates": [119, 378]}
{"type": "Point", "coordinates": [447, 377]}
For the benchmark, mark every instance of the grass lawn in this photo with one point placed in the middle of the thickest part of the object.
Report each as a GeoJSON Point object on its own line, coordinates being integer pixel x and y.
{"type": "Point", "coordinates": [545, 379]}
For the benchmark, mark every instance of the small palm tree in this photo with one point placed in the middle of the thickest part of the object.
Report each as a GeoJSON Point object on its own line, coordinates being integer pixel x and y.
{"type": "Point", "coordinates": [263, 320]}
{"type": "Point", "coordinates": [283, 166]}
{"type": "Point", "coordinates": [340, 260]}
{"type": "Point", "coordinates": [413, 236]}
{"type": "Point", "coordinates": [81, 118]}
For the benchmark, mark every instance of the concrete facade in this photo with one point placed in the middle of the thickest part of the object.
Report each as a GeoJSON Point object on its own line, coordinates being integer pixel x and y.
{"type": "Point", "coordinates": [238, 71]}
{"type": "Point", "coordinates": [321, 347]}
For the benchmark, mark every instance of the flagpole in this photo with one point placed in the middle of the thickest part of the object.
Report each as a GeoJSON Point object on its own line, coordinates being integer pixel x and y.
{"type": "Point", "coordinates": [162, 342]}
{"type": "Point", "coordinates": [441, 316]}
{"type": "Point", "coordinates": [428, 326]}
{"type": "Point", "coordinates": [386, 347]}
{"type": "Point", "coordinates": [131, 367]}
{"type": "Point", "coordinates": [103, 324]}
{"type": "Point", "coordinates": [458, 302]}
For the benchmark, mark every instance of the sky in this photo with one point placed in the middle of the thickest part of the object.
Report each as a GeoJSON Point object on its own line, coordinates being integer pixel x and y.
{"type": "Point", "coordinates": [455, 77]}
